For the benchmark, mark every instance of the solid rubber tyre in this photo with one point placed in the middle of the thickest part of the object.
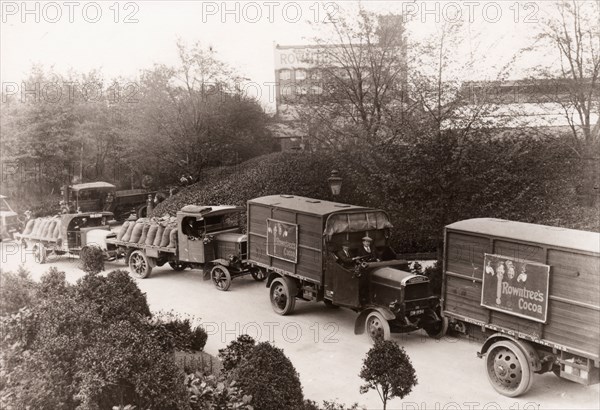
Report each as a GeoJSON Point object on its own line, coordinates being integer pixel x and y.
{"type": "Point", "coordinates": [508, 369]}
{"type": "Point", "coordinates": [377, 327]}
{"type": "Point", "coordinates": [283, 296]}
{"type": "Point", "coordinates": [139, 264]}
{"type": "Point", "coordinates": [221, 277]}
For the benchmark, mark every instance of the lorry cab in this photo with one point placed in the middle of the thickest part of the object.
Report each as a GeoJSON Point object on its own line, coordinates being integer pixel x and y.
{"type": "Point", "coordinates": [9, 220]}
{"type": "Point", "coordinates": [89, 197]}
{"type": "Point", "coordinates": [210, 233]}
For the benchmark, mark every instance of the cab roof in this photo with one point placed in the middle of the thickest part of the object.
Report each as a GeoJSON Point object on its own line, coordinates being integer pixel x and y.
{"type": "Point", "coordinates": [526, 232]}
{"type": "Point", "coordinates": [93, 185]}
{"type": "Point", "coordinates": [306, 205]}
{"type": "Point", "coordinates": [209, 210]}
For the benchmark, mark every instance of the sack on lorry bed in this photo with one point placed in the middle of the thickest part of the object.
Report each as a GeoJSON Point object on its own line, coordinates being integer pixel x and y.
{"type": "Point", "coordinates": [127, 235]}
{"type": "Point", "coordinates": [151, 234]}
{"type": "Point", "coordinates": [173, 239]}
{"type": "Point", "coordinates": [136, 233]}
{"type": "Point", "coordinates": [144, 234]}
{"type": "Point", "coordinates": [122, 231]}
{"type": "Point", "coordinates": [159, 233]}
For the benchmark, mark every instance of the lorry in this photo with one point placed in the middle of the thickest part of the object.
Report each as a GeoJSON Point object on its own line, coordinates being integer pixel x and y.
{"type": "Point", "coordinates": [103, 196]}
{"type": "Point", "coordinates": [9, 220]}
{"type": "Point", "coordinates": [530, 293]}
{"type": "Point", "coordinates": [200, 237]}
{"type": "Point", "coordinates": [67, 234]}
{"type": "Point", "coordinates": [294, 240]}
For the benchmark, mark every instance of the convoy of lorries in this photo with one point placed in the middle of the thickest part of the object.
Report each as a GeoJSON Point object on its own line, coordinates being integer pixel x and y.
{"type": "Point", "coordinates": [531, 293]}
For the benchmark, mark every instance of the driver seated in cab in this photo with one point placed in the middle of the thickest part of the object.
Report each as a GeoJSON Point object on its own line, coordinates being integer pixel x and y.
{"type": "Point", "coordinates": [367, 252]}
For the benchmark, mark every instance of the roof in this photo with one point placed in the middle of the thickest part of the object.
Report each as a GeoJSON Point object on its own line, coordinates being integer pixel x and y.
{"type": "Point", "coordinates": [542, 234]}
{"type": "Point", "coordinates": [209, 210]}
{"type": "Point", "coordinates": [306, 205]}
{"type": "Point", "coordinates": [93, 185]}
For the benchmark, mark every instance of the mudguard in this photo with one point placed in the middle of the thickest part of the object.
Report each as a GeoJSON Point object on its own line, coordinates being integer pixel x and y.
{"type": "Point", "coordinates": [527, 348]}
{"type": "Point", "coordinates": [359, 324]}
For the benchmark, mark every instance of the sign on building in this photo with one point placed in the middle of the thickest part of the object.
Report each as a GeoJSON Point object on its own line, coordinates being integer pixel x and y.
{"type": "Point", "coordinates": [515, 286]}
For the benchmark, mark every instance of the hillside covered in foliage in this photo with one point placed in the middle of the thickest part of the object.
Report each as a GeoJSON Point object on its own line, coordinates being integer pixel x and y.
{"type": "Point", "coordinates": [420, 189]}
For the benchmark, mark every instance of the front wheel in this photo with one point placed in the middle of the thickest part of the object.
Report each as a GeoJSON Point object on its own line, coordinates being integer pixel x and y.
{"type": "Point", "coordinates": [140, 265]}
{"type": "Point", "coordinates": [283, 296]}
{"type": "Point", "coordinates": [221, 277]}
{"type": "Point", "coordinates": [377, 327]}
{"type": "Point", "coordinates": [508, 369]}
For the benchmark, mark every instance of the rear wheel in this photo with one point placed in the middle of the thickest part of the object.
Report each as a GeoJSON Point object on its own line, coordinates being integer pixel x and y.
{"type": "Point", "coordinates": [258, 274]}
{"type": "Point", "coordinates": [140, 265]}
{"type": "Point", "coordinates": [177, 266]}
{"type": "Point", "coordinates": [221, 277]}
{"type": "Point", "coordinates": [377, 327]}
{"type": "Point", "coordinates": [283, 296]}
{"type": "Point", "coordinates": [508, 369]}
{"type": "Point", "coordinates": [40, 253]}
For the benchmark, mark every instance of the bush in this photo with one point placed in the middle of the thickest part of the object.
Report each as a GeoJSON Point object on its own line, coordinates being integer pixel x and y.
{"type": "Point", "coordinates": [91, 259]}
{"type": "Point", "coordinates": [270, 378]}
{"type": "Point", "coordinates": [182, 336]}
{"type": "Point", "coordinates": [87, 346]}
{"type": "Point", "coordinates": [211, 392]}
{"type": "Point", "coordinates": [16, 290]}
{"type": "Point", "coordinates": [236, 351]}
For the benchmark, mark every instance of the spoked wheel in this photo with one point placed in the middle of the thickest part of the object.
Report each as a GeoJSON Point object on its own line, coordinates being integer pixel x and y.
{"type": "Point", "coordinates": [377, 327]}
{"type": "Point", "coordinates": [283, 296]}
{"type": "Point", "coordinates": [221, 277]}
{"type": "Point", "coordinates": [177, 266]}
{"type": "Point", "coordinates": [140, 265]}
{"type": "Point", "coordinates": [40, 253]}
{"type": "Point", "coordinates": [508, 369]}
{"type": "Point", "coordinates": [258, 275]}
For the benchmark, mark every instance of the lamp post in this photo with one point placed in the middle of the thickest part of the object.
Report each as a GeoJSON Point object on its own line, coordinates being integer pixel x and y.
{"type": "Point", "coordinates": [335, 183]}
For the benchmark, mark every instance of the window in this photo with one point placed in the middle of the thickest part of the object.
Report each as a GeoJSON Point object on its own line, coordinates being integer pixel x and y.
{"type": "Point", "coordinates": [301, 90]}
{"type": "Point", "coordinates": [315, 75]}
{"type": "Point", "coordinates": [285, 75]}
{"type": "Point", "coordinates": [287, 90]}
{"type": "Point", "coordinates": [300, 74]}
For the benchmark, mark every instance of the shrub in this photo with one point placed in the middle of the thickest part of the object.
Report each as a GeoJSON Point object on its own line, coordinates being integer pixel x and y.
{"type": "Point", "coordinates": [87, 346]}
{"type": "Point", "coordinates": [211, 392]}
{"type": "Point", "coordinates": [236, 351]}
{"type": "Point", "coordinates": [91, 259]}
{"type": "Point", "coordinates": [16, 290]}
{"type": "Point", "coordinates": [388, 370]}
{"type": "Point", "coordinates": [270, 378]}
{"type": "Point", "coordinates": [114, 297]}
{"type": "Point", "coordinates": [329, 405]}
{"type": "Point", "coordinates": [182, 336]}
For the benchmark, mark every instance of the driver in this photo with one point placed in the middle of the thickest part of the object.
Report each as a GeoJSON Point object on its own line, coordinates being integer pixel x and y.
{"type": "Point", "coordinates": [367, 251]}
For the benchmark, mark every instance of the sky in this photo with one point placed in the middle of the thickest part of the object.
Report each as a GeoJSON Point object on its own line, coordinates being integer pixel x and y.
{"type": "Point", "coordinates": [122, 38]}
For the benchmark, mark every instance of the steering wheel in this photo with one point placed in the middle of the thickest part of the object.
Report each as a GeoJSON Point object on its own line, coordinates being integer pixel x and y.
{"type": "Point", "coordinates": [364, 258]}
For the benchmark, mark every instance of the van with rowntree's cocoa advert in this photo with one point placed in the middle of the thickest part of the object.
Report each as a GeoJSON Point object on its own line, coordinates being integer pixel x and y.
{"type": "Point", "coordinates": [532, 292]}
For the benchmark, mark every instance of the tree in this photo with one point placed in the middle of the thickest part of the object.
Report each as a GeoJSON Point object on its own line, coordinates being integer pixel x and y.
{"type": "Point", "coordinates": [388, 370]}
{"type": "Point", "coordinates": [361, 76]}
{"type": "Point", "coordinates": [572, 30]}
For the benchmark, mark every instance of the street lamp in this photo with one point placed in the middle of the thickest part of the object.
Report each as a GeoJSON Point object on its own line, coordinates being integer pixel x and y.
{"type": "Point", "coordinates": [335, 183]}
